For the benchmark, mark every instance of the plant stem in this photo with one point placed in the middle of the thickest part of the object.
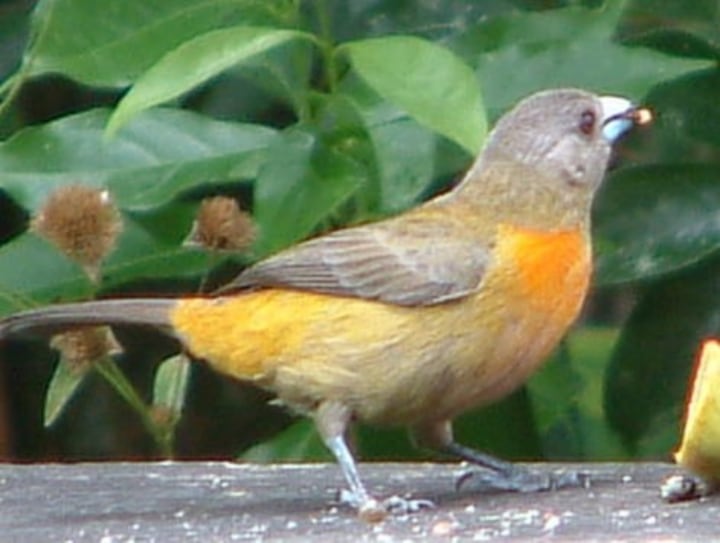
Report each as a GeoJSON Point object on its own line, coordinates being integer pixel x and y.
{"type": "Point", "coordinates": [10, 88]}
{"type": "Point", "coordinates": [327, 45]}
{"type": "Point", "coordinates": [112, 374]}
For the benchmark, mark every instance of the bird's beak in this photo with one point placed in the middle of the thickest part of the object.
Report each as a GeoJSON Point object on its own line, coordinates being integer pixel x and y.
{"type": "Point", "coordinates": [620, 115]}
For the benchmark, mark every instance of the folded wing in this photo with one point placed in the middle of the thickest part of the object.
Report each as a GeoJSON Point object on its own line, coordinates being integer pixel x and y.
{"type": "Point", "coordinates": [399, 262]}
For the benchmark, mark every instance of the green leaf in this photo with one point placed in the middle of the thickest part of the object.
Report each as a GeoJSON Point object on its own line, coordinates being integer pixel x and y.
{"type": "Point", "coordinates": [426, 80]}
{"type": "Point", "coordinates": [142, 254]}
{"type": "Point", "coordinates": [555, 393]}
{"type": "Point", "coordinates": [160, 154]}
{"type": "Point", "coordinates": [64, 383]}
{"type": "Point", "coordinates": [518, 54]}
{"type": "Point", "coordinates": [649, 371]}
{"type": "Point", "coordinates": [302, 186]}
{"type": "Point", "coordinates": [487, 429]}
{"type": "Point", "coordinates": [567, 395]}
{"type": "Point", "coordinates": [13, 28]}
{"type": "Point", "coordinates": [300, 442]}
{"type": "Point", "coordinates": [432, 20]}
{"type": "Point", "coordinates": [265, 82]}
{"type": "Point", "coordinates": [340, 126]}
{"type": "Point", "coordinates": [408, 159]}
{"type": "Point", "coordinates": [112, 43]}
{"type": "Point", "coordinates": [171, 382]}
{"type": "Point", "coordinates": [652, 220]}
{"type": "Point", "coordinates": [195, 62]}
{"type": "Point", "coordinates": [688, 29]}
{"type": "Point", "coordinates": [404, 151]}
{"type": "Point", "coordinates": [33, 271]}
{"type": "Point", "coordinates": [47, 276]}
{"type": "Point", "coordinates": [686, 124]}
{"type": "Point", "coordinates": [686, 108]}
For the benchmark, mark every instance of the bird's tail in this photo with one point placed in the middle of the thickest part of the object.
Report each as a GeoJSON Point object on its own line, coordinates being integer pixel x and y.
{"type": "Point", "coordinates": [56, 318]}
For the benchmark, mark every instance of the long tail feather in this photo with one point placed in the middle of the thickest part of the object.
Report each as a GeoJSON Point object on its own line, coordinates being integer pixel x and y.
{"type": "Point", "coordinates": [55, 318]}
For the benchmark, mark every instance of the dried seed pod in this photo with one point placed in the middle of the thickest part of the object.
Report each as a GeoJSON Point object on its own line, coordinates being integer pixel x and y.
{"type": "Point", "coordinates": [81, 347]}
{"type": "Point", "coordinates": [221, 225]}
{"type": "Point", "coordinates": [82, 222]}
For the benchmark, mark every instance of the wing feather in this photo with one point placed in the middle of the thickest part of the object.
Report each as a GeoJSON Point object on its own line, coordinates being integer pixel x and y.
{"type": "Point", "coordinates": [399, 262]}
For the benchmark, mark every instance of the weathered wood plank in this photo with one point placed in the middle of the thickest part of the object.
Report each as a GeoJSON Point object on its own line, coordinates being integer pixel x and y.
{"type": "Point", "coordinates": [198, 501]}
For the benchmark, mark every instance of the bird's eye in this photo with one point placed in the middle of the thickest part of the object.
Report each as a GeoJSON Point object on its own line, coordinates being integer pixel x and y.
{"type": "Point", "coordinates": [587, 122]}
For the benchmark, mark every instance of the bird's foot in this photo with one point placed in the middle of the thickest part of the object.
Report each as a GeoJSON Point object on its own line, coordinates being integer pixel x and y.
{"type": "Point", "coordinates": [371, 509]}
{"type": "Point", "coordinates": [521, 479]}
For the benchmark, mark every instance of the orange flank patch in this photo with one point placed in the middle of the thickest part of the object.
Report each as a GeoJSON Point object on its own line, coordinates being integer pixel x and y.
{"type": "Point", "coordinates": [553, 267]}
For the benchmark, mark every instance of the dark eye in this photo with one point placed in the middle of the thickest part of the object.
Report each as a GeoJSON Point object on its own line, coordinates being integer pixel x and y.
{"type": "Point", "coordinates": [587, 122]}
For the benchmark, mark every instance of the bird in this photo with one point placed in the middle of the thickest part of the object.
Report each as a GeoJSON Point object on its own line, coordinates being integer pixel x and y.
{"type": "Point", "coordinates": [413, 319]}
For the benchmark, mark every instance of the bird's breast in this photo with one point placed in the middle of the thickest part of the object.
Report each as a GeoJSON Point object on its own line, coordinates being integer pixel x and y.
{"type": "Point", "coordinates": [549, 271]}
{"type": "Point", "coordinates": [536, 287]}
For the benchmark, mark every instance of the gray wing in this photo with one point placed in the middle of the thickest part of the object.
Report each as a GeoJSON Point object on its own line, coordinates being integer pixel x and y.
{"type": "Point", "coordinates": [404, 263]}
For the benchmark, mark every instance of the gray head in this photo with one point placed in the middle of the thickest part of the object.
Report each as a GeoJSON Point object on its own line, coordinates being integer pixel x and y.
{"type": "Point", "coordinates": [566, 133]}
{"type": "Point", "coordinates": [546, 157]}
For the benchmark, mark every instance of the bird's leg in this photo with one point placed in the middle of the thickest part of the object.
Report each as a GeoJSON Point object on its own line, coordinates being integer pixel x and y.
{"type": "Point", "coordinates": [499, 474]}
{"type": "Point", "coordinates": [331, 420]}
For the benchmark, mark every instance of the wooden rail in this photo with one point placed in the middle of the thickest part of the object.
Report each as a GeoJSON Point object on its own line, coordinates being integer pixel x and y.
{"type": "Point", "coordinates": [211, 501]}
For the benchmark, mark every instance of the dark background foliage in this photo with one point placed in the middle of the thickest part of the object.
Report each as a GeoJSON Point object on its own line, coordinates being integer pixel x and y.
{"type": "Point", "coordinates": [316, 114]}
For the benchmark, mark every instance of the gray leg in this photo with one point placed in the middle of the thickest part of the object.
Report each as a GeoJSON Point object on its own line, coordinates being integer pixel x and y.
{"type": "Point", "coordinates": [332, 419]}
{"type": "Point", "coordinates": [500, 474]}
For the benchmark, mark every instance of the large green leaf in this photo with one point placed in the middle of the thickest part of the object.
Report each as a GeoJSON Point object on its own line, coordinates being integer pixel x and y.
{"type": "Point", "coordinates": [408, 157]}
{"type": "Point", "coordinates": [524, 52]}
{"type": "Point", "coordinates": [426, 80]}
{"type": "Point", "coordinates": [432, 20]}
{"type": "Point", "coordinates": [567, 398]}
{"type": "Point", "coordinates": [648, 374]}
{"type": "Point", "coordinates": [302, 186]}
{"type": "Point", "coordinates": [195, 62]}
{"type": "Point", "coordinates": [655, 219]}
{"type": "Point", "coordinates": [112, 43]}
{"type": "Point", "coordinates": [340, 126]}
{"type": "Point", "coordinates": [32, 270]}
{"type": "Point", "coordinates": [158, 155]}
{"type": "Point", "coordinates": [686, 123]}
{"type": "Point", "coordinates": [690, 29]}
{"type": "Point", "coordinates": [686, 109]}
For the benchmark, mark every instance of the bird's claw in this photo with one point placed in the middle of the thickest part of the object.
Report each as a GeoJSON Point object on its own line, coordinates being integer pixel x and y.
{"type": "Point", "coordinates": [521, 479]}
{"type": "Point", "coordinates": [372, 510]}
{"type": "Point", "coordinates": [402, 506]}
